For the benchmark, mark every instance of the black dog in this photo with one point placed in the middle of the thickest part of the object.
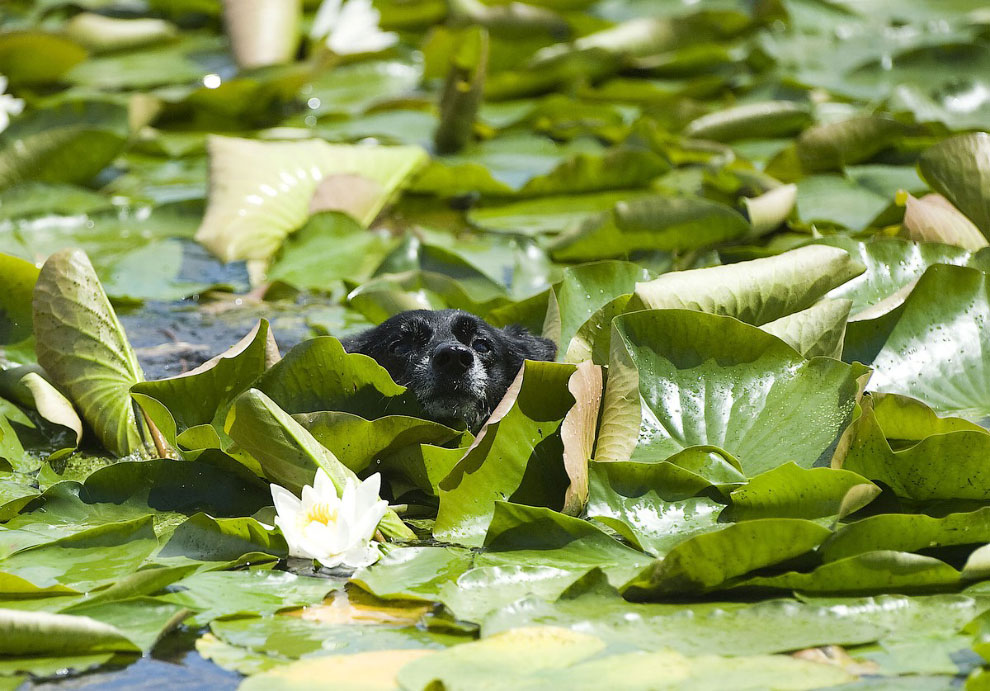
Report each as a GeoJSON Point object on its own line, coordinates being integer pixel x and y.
{"type": "Point", "coordinates": [458, 366]}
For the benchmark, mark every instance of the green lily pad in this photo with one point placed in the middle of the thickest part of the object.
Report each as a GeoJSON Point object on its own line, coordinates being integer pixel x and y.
{"type": "Point", "coordinates": [818, 330]}
{"type": "Point", "coordinates": [706, 562]}
{"type": "Point", "coordinates": [215, 594]}
{"type": "Point", "coordinates": [204, 538]}
{"type": "Point", "coordinates": [749, 121]}
{"type": "Point", "coordinates": [203, 396]}
{"type": "Point", "coordinates": [908, 533]}
{"type": "Point", "coordinates": [652, 223]}
{"type": "Point", "coordinates": [319, 374]}
{"type": "Point", "coordinates": [756, 291]}
{"type": "Point", "coordinates": [891, 264]}
{"type": "Point", "coordinates": [908, 467]}
{"type": "Point", "coordinates": [331, 246]}
{"type": "Point", "coordinates": [679, 379]}
{"type": "Point", "coordinates": [414, 573]}
{"type": "Point", "coordinates": [582, 291]}
{"type": "Point", "coordinates": [287, 453]}
{"type": "Point", "coordinates": [357, 442]}
{"type": "Point", "coordinates": [18, 281]}
{"type": "Point", "coordinates": [35, 57]}
{"type": "Point", "coordinates": [653, 505]}
{"type": "Point", "coordinates": [68, 144]}
{"type": "Point", "coordinates": [516, 456]}
{"type": "Point", "coordinates": [790, 491]}
{"type": "Point", "coordinates": [880, 571]}
{"type": "Point", "coordinates": [837, 144]}
{"type": "Point", "coordinates": [932, 346]}
{"type": "Point", "coordinates": [42, 633]}
{"type": "Point", "coordinates": [535, 536]}
{"type": "Point", "coordinates": [88, 559]}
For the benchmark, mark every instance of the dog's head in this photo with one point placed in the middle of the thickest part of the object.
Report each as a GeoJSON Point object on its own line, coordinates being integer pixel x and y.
{"type": "Point", "coordinates": [457, 365]}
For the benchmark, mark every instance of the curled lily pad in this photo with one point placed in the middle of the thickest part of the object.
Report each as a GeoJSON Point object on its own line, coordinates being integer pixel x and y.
{"type": "Point", "coordinates": [260, 191]}
{"type": "Point", "coordinates": [959, 169]}
{"type": "Point", "coordinates": [756, 291]}
{"type": "Point", "coordinates": [517, 455]}
{"type": "Point", "coordinates": [287, 453]}
{"type": "Point", "coordinates": [82, 346]}
{"type": "Point", "coordinates": [202, 397]}
{"type": "Point", "coordinates": [933, 219]}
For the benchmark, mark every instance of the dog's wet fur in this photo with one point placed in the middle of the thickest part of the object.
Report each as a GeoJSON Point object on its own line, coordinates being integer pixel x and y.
{"type": "Point", "coordinates": [457, 365]}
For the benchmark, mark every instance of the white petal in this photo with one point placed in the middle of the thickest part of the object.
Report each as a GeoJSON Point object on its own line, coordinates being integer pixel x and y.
{"type": "Point", "coordinates": [4, 119]}
{"type": "Point", "coordinates": [323, 484]}
{"type": "Point", "coordinates": [364, 554]}
{"type": "Point", "coordinates": [286, 503]}
{"type": "Point", "coordinates": [368, 491]}
{"type": "Point", "coordinates": [330, 561]}
{"type": "Point", "coordinates": [3, 83]}
{"type": "Point", "coordinates": [325, 19]}
{"type": "Point", "coordinates": [368, 521]}
{"type": "Point", "coordinates": [348, 501]}
{"type": "Point", "coordinates": [293, 539]}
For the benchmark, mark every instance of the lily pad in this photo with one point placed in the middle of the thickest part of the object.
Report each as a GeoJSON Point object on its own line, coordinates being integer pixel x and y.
{"type": "Point", "coordinates": [959, 169]}
{"type": "Point", "coordinates": [679, 379]}
{"type": "Point", "coordinates": [83, 348]}
{"type": "Point", "coordinates": [756, 291]}
{"type": "Point", "coordinates": [260, 191]}
{"type": "Point", "coordinates": [516, 456]}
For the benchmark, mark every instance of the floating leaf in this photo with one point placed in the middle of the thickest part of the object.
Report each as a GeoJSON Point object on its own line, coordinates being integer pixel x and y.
{"type": "Point", "coordinates": [933, 219]}
{"type": "Point", "coordinates": [818, 330]}
{"type": "Point", "coordinates": [707, 561]}
{"type": "Point", "coordinates": [790, 491]}
{"type": "Point", "coordinates": [71, 143]}
{"type": "Point", "coordinates": [750, 121]}
{"type": "Point", "coordinates": [18, 279]}
{"type": "Point", "coordinates": [679, 379]}
{"type": "Point", "coordinates": [41, 633]}
{"type": "Point", "coordinates": [203, 395]}
{"type": "Point", "coordinates": [652, 223]}
{"type": "Point", "coordinates": [932, 346]}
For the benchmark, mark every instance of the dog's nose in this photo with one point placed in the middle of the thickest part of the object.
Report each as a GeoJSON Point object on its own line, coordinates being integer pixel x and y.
{"type": "Point", "coordinates": [452, 358]}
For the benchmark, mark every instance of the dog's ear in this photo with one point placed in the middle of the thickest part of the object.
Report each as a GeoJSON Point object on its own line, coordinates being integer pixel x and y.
{"type": "Point", "coordinates": [527, 346]}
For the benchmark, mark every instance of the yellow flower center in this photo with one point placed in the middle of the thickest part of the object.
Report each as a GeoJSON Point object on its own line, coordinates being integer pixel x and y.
{"type": "Point", "coordinates": [321, 513]}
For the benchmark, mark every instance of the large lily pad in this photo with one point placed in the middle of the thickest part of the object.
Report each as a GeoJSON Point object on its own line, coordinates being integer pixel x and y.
{"type": "Point", "coordinates": [932, 347]}
{"type": "Point", "coordinates": [679, 379]}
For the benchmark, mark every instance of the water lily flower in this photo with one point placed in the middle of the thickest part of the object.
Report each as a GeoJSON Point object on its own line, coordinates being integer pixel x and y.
{"type": "Point", "coordinates": [335, 531]}
{"type": "Point", "coordinates": [8, 104]}
{"type": "Point", "coordinates": [351, 27]}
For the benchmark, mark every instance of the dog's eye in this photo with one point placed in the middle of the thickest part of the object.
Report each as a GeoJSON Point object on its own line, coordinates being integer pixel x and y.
{"type": "Point", "coordinates": [399, 347]}
{"type": "Point", "coordinates": [482, 346]}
